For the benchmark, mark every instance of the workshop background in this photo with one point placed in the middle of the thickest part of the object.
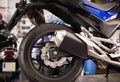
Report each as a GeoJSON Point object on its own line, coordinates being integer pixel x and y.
{"type": "Point", "coordinates": [7, 8]}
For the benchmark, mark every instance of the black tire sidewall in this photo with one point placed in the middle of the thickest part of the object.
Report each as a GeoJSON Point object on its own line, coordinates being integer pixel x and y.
{"type": "Point", "coordinates": [24, 59]}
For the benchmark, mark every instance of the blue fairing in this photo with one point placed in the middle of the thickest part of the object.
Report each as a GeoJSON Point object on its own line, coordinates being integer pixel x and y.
{"type": "Point", "coordinates": [106, 16]}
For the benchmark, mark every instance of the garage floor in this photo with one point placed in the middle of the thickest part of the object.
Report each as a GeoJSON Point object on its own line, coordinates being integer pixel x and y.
{"type": "Point", "coordinates": [100, 78]}
{"type": "Point", "coordinates": [114, 77]}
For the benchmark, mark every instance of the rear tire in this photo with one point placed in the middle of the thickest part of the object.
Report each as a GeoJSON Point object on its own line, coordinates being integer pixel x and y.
{"type": "Point", "coordinates": [65, 73]}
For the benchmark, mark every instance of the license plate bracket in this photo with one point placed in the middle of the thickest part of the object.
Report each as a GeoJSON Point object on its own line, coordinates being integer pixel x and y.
{"type": "Point", "coordinates": [8, 67]}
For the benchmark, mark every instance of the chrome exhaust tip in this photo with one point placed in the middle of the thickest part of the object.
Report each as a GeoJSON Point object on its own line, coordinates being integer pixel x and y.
{"type": "Point", "coordinates": [59, 37]}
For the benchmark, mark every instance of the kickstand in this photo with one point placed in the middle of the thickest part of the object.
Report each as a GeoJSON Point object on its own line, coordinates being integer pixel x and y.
{"type": "Point", "coordinates": [107, 71]}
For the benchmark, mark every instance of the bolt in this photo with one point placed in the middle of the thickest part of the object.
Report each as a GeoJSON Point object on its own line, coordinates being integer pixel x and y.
{"type": "Point", "coordinates": [118, 41]}
{"type": "Point", "coordinates": [55, 52]}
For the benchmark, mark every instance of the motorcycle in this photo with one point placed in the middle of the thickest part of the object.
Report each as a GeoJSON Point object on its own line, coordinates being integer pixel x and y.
{"type": "Point", "coordinates": [8, 57]}
{"type": "Point", "coordinates": [93, 31]}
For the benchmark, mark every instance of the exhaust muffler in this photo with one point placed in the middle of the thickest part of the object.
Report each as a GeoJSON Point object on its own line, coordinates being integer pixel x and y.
{"type": "Point", "coordinates": [70, 43]}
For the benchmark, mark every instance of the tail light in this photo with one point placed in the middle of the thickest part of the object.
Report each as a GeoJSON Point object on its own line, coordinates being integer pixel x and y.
{"type": "Point", "coordinates": [9, 53]}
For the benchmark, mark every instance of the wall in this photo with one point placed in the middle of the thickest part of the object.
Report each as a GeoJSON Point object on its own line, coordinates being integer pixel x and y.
{"type": "Point", "coordinates": [7, 8]}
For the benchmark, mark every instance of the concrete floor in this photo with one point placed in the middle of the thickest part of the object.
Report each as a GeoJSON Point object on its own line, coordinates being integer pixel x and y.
{"type": "Point", "coordinates": [100, 78]}
{"type": "Point", "coordinates": [114, 77]}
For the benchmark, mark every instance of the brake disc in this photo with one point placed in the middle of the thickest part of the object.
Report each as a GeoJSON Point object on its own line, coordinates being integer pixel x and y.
{"type": "Point", "coordinates": [53, 63]}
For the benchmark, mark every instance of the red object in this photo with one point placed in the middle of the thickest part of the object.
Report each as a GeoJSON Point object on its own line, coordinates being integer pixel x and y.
{"type": "Point", "coordinates": [1, 16]}
{"type": "Point", "coordinates": [9, 53]}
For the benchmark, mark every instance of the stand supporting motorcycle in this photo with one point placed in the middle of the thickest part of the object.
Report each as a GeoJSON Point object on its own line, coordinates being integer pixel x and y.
{"type": "Point", "coordinates": [93, 32]}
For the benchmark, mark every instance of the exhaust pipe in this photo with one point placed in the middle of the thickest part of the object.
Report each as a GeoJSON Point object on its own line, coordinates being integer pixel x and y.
{"type": "Point", "coordinates": [68, 42]}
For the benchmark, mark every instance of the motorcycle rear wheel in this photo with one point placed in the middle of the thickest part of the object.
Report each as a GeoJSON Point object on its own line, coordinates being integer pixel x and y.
{"type": "Point", "coordinates": [34, 67]}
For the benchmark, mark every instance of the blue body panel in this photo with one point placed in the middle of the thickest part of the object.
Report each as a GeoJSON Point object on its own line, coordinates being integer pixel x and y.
{"type": "Point", "coordinates": [106, 16]}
